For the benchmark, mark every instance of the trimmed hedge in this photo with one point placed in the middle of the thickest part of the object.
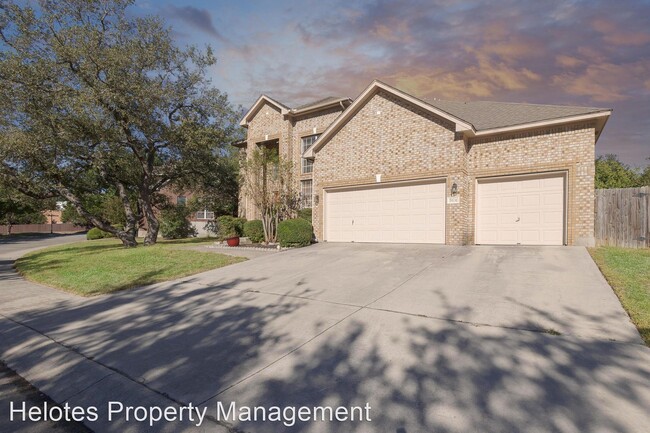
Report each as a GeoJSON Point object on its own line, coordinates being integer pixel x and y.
{"type": "Point", "coordinates": [254, 230]}
{"type": "Point", "coordinates": [296, 232]}
{"type": "Point", "coordinates": [305, 214]}
{"type": "Point", "coordinates": [95, 233]}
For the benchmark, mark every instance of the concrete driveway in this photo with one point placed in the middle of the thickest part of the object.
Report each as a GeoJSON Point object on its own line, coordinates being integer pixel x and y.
{"type": "Point", "coordinates": [434, 338]}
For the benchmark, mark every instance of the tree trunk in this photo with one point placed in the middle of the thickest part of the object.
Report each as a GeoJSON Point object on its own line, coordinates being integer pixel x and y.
{"type": "Point", "coordinates": [153, 226]}
{"type": "Point", "coordinates": [126, 236]}
{"type": "Point", "coordinates": [152, 232]}
{"type": "Point", "coordinates": [132, 218]}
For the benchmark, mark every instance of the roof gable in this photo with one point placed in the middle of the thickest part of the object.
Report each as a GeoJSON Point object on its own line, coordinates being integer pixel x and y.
{"type": "Point", "coordinates": [258, 104]}
{"type": "Point", "coordinates": [363, 99]}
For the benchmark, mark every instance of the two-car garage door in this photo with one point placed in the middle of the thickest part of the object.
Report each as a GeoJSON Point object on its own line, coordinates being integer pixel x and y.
{"type": "Point", "coordinates": [521, 210]}
{"type": "Point", "coordinates": [404, 213]}
{"type": "Point", "coordinates": [517, 210]}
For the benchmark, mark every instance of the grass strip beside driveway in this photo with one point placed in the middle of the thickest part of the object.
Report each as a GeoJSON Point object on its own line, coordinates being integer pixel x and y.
{"type": "Point", "coordinates": [104, 266]}
{"type": "Point", "coordinates": [628, 272]}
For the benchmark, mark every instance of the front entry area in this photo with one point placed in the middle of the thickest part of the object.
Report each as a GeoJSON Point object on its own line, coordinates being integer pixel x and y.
{"type": "Point", "coordinates": [521, 210]}
{"type": "Point", "coordinates": [401, 213]}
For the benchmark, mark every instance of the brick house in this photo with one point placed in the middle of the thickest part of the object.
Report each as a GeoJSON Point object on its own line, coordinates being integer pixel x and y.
{"type": "Point", "coordinates": [198, 219]}
{"type": "Point", "coordinates": [388, 167]}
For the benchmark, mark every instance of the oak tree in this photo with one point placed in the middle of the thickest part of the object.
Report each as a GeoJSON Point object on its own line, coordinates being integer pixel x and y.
{"type": "Point", "coordinates": [95, 99]}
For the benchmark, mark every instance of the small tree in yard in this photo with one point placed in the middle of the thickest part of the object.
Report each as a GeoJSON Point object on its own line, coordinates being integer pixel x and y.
{"type": "Point", "coordinates": [266, 179]}
{"type": "Point", "coordinates": [175, 223]}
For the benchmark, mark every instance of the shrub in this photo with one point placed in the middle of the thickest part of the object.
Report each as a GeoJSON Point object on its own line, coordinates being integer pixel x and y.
{"type": "Point", "coordinates": [175, 223]}
{"type": "Point", "coordinates": [229, 227]}
{"type": "Point", "coordinates": [305, 213]}
{"type": "Point", "coordinates": [240, 225]}
{"type": "Point", "coordinates": [295, 233]}
{"type": "Point", "coordinates": [95, 233]}
{"type": "Point", "coordinates": [254, 230]}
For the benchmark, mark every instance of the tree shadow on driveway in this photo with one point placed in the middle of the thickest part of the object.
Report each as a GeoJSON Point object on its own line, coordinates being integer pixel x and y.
{"type": "Point", "coordinates": [424, 375]}
{"type": "Point", "coordinates": [216, 337]}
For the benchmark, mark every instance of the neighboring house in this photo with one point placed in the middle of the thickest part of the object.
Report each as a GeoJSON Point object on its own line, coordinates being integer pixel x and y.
{"type": "Point", "coordinates": [389, 167]}
{"type": "Point", "coordinates": [53, 216]}
{"type": "Point", "coordinates": [198, 219]}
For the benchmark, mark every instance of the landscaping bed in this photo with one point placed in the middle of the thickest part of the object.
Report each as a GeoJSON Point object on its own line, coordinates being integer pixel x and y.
{"type": "Point", "coordinates": [628, 272]}
{"type": "Point", "coordinates": [247, 245]}
{"type": "Point", "coordinates": [104, 266]}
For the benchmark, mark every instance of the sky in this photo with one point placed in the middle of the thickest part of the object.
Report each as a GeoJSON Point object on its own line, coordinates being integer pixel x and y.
{"type": "Point", "coordinates": [568, 52]}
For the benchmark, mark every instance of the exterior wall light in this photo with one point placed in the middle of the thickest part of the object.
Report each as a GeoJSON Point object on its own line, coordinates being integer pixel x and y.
{"type": "Point", "coordinates": [454, 189]}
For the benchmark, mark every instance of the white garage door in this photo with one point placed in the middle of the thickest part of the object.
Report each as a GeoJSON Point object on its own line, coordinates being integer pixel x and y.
{"type": "Point", "coordinates": [411, 213]}
{"type": "Point", "coordinates": [521, 211]}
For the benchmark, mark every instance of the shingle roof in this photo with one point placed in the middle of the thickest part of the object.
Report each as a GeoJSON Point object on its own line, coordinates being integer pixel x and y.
{"type": "Point", "coordinates": [276, 101]}
{"type": "Point", "coordinates": [319, 102]}
{"type": "Point", "coordinates": [489, 115]}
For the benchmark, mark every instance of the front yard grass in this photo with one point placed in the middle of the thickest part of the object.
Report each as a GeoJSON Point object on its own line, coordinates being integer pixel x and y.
{"type": "Point", "coordinates": [628, 272]}
{"type": "Point", "coordinates": [104, 266]}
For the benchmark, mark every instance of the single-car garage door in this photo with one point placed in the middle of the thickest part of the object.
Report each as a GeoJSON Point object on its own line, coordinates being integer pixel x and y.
{"type": "Point", "coordinates": [404, 213]}
{"type": "Point", "coordinates": [521, 210]}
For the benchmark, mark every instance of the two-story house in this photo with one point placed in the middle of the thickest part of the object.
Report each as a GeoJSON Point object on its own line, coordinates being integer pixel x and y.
{"type": "Point", "coordinates": [389, 167]}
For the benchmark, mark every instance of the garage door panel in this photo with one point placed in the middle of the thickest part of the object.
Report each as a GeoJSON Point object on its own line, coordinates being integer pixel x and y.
{"type": "Point", "coordinates": [529, 211]}
{"type": "Point", "coordinates": [552, 238]}
{"type": "Point", "coordinates": [551, 199]}
{"type": "Point", "coordinates": [508, 201]}
{"type": "Point", "coordinates": [418, 203]}
{"type": "Point", "coordinates": [529, 218]}
{"type": "Point", "coordinates": [553, 218]}
{"type": "Point", "coordinates": [507, 236]}
{"type": "Point", "coordinates": [553, 182]}
{"type": "Point", "coordinates": [506, 218]}
{"type": "Point", "coordinates": [405, 213]}
{"type": "Point", "coordinates": [529, 185]}
{"type": "Point", "coordinates": [530, 200]}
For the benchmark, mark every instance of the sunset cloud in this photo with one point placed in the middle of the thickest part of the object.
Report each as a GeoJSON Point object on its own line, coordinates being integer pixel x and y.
{"type": "Point", "coordinates": [606, 82]}
{"type": "Point", "coordinates": [576, 52]}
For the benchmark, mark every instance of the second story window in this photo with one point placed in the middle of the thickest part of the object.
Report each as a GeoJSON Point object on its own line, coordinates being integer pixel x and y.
{"type": "Point", "coordinates": [306, 142]}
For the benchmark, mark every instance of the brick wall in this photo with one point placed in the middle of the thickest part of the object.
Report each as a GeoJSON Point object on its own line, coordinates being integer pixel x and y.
{"type": "Point", "coordinates": [401, 141]}
{"type": "Point", "coordinates": [568, 148]}
{"type": "Point", "coordinates": [395, 139]}
{"type": "Point", "coordinates": [269, 124]}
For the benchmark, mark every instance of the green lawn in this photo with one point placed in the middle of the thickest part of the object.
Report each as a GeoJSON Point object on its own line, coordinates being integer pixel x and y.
{"type": "Point", "coordinates": [628, 272]}
{"type": "Point", "coordinates": [104, 266]}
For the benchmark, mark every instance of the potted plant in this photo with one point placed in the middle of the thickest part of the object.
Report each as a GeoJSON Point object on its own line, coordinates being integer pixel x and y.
{"type": "Point", "coordinates": [229, 229]}
{"type": "Point", "coordinates": [232, 239]}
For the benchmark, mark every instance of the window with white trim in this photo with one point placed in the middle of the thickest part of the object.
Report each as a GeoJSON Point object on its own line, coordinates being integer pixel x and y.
{"type": "Point", "coordinates": [306, 142]}
{"type": "Point", "coordinates": [204, 215]}
{"type": "Point", "coordinates": [306, 193]}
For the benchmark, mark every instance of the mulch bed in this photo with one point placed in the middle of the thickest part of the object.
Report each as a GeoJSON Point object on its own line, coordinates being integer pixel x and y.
{"type": "Point", "coordinates": [248, 247]}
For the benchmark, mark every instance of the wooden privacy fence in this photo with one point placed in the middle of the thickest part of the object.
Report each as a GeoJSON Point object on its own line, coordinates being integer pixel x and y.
{"type": "Point", "coordinates": [623, 217]}
{"type": "Point", "coordinates": [41, 228]}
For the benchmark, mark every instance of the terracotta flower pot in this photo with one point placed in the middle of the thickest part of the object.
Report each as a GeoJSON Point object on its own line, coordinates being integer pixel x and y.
{"type": "Point", "coordinates": [233, 242]}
